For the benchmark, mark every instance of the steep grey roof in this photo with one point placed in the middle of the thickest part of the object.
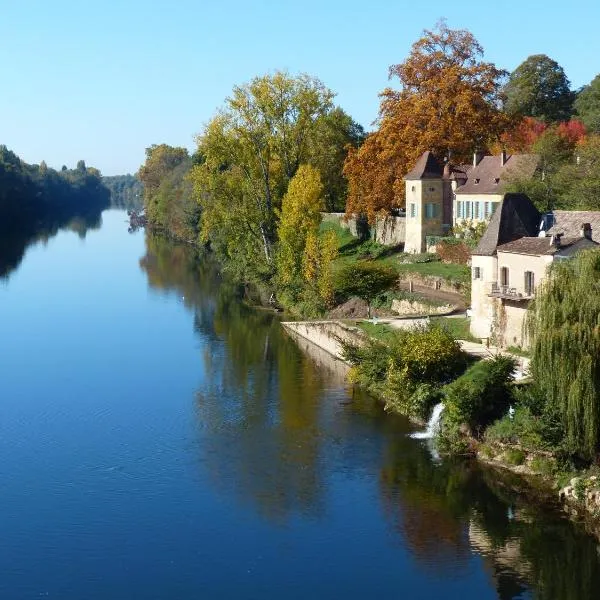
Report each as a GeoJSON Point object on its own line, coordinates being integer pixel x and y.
{"type": "Point", "coordinates": [459, 172]}
{"type": "Point", "coordinates": [540, 246]}
{"type": "Point", "coordinates": [427, 167]}
{"type": "Point", "coordinates": [489, 176]}
{"type": "Point", "coordinates": [515, 217]}
{"type": "Point", "coordinates": [569, 222]}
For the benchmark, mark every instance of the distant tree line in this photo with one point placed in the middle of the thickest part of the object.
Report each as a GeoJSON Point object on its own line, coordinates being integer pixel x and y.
{"type": "Point", "coordinates": [126, 191]}
{"type": "Point", "coordinates": [36, 200]}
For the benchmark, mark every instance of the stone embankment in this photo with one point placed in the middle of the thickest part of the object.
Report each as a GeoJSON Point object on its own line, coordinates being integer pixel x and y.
{"type": "Point", "coordinates": [326, 334]}
{"type": "Point", "coordinates": [582, 493]}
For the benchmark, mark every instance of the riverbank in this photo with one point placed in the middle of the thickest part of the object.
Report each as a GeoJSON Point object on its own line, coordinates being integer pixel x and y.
{"type": "Point", "coordinates": [537, 470]}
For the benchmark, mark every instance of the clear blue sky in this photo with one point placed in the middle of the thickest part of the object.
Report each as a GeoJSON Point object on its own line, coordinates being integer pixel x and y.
{"type": "Point", "coordinates": [103, 80]}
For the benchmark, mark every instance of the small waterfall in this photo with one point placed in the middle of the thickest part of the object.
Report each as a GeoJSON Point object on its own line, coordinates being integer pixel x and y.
{"type": "Point", "coordinates": [432, 426]}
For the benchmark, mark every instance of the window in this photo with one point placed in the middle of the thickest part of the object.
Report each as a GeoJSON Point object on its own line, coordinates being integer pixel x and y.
{"type": "Point", "coordinates": [430, 210]}
{"type": "Point", "coordinates": [432, 189]}
{"type": "Point", "coordinates": [413, 210]}
{"type": "Point", "coordinates": [412, 189]}
{"type": "Point", "coordinates": [493, 207]}
{"type": "Point", "coordinates": [529, 283]}
{"type": "Point", "coordinates": [459, 209]}
{"type": "Point", "coordinates": [504, 278]}
{"type": "Point", "coordinates": [476, 208]}
{"type": "Point", "coordinates": [468, 209]}
{"type": "Point", "coordinates": [477, 273]}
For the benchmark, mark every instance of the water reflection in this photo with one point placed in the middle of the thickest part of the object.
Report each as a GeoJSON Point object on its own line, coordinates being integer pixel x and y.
{"type": "Point", "coordinates": [279, 429]}
{"type": "Point", "coordinates": [14, 240]}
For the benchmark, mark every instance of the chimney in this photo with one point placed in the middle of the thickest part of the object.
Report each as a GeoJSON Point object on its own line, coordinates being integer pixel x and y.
{"type": "Point", "coordinates": [586, 231]}
{"type": "Point", "coordinates": [555, 240]}
{"type": "Point", "coordinates": [477, 156]}
{"type": "Point", "coordinates": [502, 158]}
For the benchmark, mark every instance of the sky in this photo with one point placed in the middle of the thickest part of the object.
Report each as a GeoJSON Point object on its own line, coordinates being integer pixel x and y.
{"type": "Point", "coordinates": [103, 80]}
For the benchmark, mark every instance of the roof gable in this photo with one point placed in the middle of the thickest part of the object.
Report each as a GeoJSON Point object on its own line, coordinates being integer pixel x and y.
{"type": "Point", "coordinates": [427, 167]}
{"type": "Point", "coordinates": [515, 217]}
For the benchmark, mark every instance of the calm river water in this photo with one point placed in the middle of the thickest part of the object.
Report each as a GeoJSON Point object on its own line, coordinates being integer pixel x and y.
{"type": "Point", "coordinates": [158, 439]}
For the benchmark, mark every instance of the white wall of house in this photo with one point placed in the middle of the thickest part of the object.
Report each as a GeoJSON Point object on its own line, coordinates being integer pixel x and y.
{"type": "Point", "coordinates": [513, 319]}
{"type": "Point", "coordinates": [518, 264]}
{"type": "Point", "coordinates": [503, 318]}
{"type": "Point", "coordinates": [484, 272]}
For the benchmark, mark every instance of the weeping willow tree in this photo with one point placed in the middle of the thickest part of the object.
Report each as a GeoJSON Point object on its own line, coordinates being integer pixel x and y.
{"type": "Point", "coordinates": [563, 324]}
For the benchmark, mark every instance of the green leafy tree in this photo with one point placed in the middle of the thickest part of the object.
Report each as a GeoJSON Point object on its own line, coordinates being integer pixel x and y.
{"type": "Point", "coordinates": [168, 197]}
{"type": "Point", "coordinates": [251, 150]}
{"type": "Point", "coordinates": [365, 280]}
{"type": "Point", "coordinates": [578, 179]}
{"type": "Point", "coordinates": [334, 134]}
{"type": "Point", "coordinates": [549, 185]}
{"type": "Point", "coordinates": [539, 88]}
{"type": "Point", "coordinates": [587, 105]}
{"type": "Point", "coordinates": [563, 323]}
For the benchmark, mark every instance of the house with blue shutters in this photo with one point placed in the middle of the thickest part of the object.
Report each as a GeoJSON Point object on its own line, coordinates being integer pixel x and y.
{"type": "Point", "coordinates": [440, 196]}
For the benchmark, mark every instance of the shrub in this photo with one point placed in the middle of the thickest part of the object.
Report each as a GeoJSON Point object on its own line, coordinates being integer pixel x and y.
{"type": "Point", "coordinates": [524, 429]}
{"type": "Point", "coordinates": [403, 397]}
{"type": "Point", "coordinates": [453, 250]}
{"type": "Point", "coordinates": [543, 466]}
{"type": "Point", "coordinates": [486, 451]}
{"type": "Point", "coordinates": [482, 394]}
{"type": "Point", "coordinates": [514, 457]}
{"type": "Point", "coordinates": [370, 361]}
{"type": "Point", "coordinates": [409, 368]}
{"type": "Point", "coordinates": [364, 280]}
{"type": "Point", "coordinates": [450, 439]}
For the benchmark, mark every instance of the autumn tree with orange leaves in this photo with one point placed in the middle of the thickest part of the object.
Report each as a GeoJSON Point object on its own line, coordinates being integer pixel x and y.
{"type": "Point", "coordinates": [448, 102]}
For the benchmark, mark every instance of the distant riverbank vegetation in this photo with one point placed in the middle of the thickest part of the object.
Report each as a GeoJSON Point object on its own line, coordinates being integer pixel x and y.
{"type": "Point", "coordinates": [126, 191]}
{"type": "Point", "coordinates": [235, 193]}
{"type": "Point", "coordinates": [35, 201]}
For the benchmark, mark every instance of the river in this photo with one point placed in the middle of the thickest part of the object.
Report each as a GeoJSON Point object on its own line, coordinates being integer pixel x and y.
{"type": "Point", "coordinates": [160, 439]}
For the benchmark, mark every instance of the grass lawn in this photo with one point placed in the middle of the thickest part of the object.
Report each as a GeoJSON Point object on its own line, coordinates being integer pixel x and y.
{"type": "Point", "coordinates": [351, 250]}
{"type": "Point", "coordinates": [458, 327]}
{"type": "Point", "coordinates": [450, 272]}
{"type": "Point", "coordinates": [381, 331]}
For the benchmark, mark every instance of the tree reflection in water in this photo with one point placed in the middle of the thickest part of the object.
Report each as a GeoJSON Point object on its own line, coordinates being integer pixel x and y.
{"type": "Point", "coordinates": [275, 427]}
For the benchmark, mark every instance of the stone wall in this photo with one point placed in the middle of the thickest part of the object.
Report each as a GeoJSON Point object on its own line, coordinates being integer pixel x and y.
{"type": "Point", "coordinates": [414, 307]}
{"type": "Point", "coordinates": [325, 334]}
{"type": "Point", "coordinates": [435, 283]}
{"type": "Point", "coordinates": [389, 231]}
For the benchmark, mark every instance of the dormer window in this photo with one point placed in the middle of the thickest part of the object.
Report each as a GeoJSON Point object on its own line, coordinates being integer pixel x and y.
{"type": "Point", "coordinates": [496, 179]}
{"type": "Point", "coordinates": [477, 180]}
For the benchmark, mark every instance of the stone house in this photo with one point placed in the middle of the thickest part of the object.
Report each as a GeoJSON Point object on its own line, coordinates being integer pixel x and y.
{"type": "Point", "coordinates": [439, 197]}
{"type": "Point", "coordinates": [512, 259]}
